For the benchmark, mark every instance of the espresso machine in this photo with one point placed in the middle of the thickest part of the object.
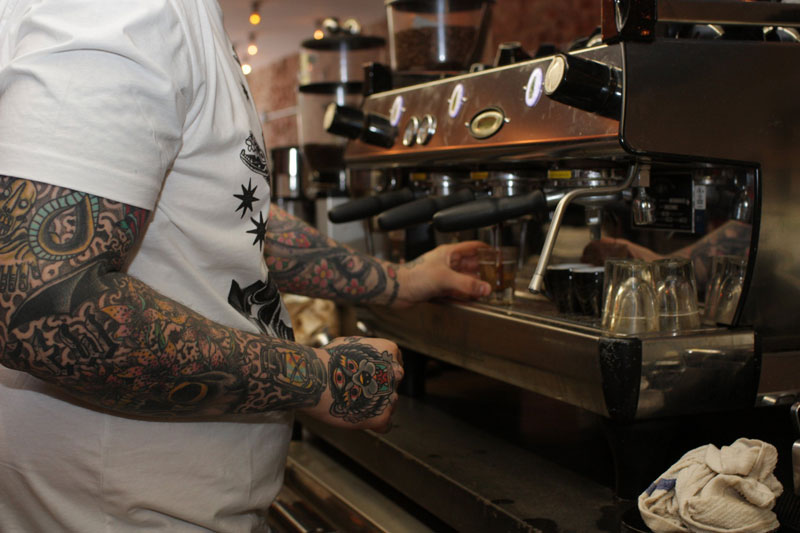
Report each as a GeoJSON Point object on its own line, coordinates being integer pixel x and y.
{"type": "Point", "coordinates": [681, 117]}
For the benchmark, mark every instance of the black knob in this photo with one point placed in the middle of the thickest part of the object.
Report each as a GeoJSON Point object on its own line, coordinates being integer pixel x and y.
{"type": "Point", "coordinates": [344, 121]}
{"type": "Point", "coordinates": [377, 78]}
{"type": "Point", "coordinates": [354, 124]}
{"type": "Point", "coordinates": [510, 53]}
{"type": "Point", "coordinates": [585, 84]}
{"type": "Point", "coordinates": [378, 130]}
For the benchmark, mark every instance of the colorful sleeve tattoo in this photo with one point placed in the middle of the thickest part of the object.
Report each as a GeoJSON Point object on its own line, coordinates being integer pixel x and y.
{"type": "Point", "coordinates": [303, 261]}
{"type": "Point", "coordinates": [70, 317]}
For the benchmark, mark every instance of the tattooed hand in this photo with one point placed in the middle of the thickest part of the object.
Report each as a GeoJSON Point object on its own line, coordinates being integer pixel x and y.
{"type": "Point", "coordinates": [363, 375]}
{"type": "Point", "coordinates": [450, 270]}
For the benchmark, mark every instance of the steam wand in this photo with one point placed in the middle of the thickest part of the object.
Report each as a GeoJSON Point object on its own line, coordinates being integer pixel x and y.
{"type": "Point", "coordinates": [537, 280]}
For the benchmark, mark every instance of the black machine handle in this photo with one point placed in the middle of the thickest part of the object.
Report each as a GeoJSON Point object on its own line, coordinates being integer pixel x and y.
{"type": "Point", "coordinates": [369, 205]}
{"type": "Point", "coordinates": [489, 211]}
{"type": "Point", "coordinates": [421, 210]}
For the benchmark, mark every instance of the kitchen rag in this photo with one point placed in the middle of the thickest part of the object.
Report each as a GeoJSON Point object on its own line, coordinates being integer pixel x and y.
{"type": "Point", "coordinates": [727, 490]}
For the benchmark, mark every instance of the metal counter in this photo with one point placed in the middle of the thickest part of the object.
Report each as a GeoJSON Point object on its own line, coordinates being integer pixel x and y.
{"type": "Point", "coordinates": [569, 358]}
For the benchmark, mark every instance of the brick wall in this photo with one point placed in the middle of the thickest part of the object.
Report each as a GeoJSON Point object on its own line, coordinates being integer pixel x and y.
{"type": "Point", "coordinates": [531, 22]}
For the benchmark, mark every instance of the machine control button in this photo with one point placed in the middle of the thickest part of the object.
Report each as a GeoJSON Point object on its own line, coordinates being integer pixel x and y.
{"type": "Point", "coordinates": [427, 128]}
{"type": "Point", "coordinates": [354, 124]}
{"type": "Point", "coordinates": [396, 112]}
{"type": "Point", "coordinates": [378, 131]}
{"type": "Point", "coordinates": [533, 90]}
{"type": "Point", "coordinates": [555, 74]}
{"type": "Point", "coordinates": [486, 123]}
{"type": "Point", "coordinates": [456, 101]}
{"type": "Point", "coordinates": [586, 84]}
{"type": "Point", "coordinates": [410, 133]}
{"type": "Point", "coordinates": [344, 121]}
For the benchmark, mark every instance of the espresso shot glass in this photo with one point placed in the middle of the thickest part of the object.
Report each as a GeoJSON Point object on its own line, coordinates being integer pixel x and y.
{"type": "Point", "coordinates": [498, 267]}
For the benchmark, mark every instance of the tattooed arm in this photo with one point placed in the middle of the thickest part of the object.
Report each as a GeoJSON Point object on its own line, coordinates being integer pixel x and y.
{"type": "Point", "coordinates": [71, 317]}
{"type": "Point", "coordinates": [303, 261]}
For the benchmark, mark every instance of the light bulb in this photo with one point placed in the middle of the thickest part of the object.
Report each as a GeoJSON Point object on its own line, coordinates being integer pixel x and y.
{"type": "Point", "coordinates": [255, 19]}
{"type": "Point", "coordinates": [252, 49]}
{"type": "Point", "coordinates": [246, 69]}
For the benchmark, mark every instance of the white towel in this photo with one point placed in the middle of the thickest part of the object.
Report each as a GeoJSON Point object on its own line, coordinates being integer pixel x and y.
{"type": "Point", "coordinates": [711, 490]}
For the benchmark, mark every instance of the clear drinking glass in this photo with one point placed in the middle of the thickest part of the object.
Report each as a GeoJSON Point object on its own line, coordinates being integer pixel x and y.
{"type": "Point", "coordinates": [631, 298]}
{"type": "Point", "coordinates": [498, 267]}
{"type": "Point", "coordinates": [676, 294]}
{"type": "Point", "coordinates": [724, 289]}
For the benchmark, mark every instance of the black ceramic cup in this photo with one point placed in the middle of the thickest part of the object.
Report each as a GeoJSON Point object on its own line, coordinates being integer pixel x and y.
{"type": "Point", "coordinates": [587, 287]}
{"type": "Point", "coordinates": [558, 286]}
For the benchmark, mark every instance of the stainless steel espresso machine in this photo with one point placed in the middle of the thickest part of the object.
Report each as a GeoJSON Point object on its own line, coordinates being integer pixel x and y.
{"type": "Point", "coordinates": [683, 116]}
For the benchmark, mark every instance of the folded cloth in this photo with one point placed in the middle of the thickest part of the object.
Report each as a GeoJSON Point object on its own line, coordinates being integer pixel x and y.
{"type": "Point", "coordinates": [711, 490]}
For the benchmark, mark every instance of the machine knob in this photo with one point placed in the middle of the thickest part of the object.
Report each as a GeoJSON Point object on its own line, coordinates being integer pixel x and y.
{"type": "Point", "coordinates": [378, 130]}
{"type": "Point", "coordinates": [585, 84]}
{"type": "Point", "coordinates": [344, 121]}
{"type": "Point", "coordinates": [354, 124]}
{"type": "Point", "coordinates": [377, 78]}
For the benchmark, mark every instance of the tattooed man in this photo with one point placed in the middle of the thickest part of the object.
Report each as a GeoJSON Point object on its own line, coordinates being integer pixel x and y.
{"type": "Point", "coordinates": [148, 374]}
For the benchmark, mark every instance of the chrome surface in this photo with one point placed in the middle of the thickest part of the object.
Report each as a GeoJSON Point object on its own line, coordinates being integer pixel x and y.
{"type": "Point", "coordinates": [537, 281]}
{"type": "Point", "coordinates": [569, 358]}
{"type": "Point", "coordinates": [736, 121]}
{"type": "Point", "coordinates": [427, 129]}
{"type": "Point", "coordinates": [643, 208]}
{"type": "Point", "coordinates": [716, 119]}
{"type": "Point", "coordinates": [473, 480]}
{"type": "Point", "coordinates": [795, 410]}
{"type": "Point", "coordinates": [542, 129]}
{"type": "Point", "coordinates": [342, 498]}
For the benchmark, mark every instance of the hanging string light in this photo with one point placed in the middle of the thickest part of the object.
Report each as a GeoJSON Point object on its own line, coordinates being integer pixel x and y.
{"type": "Point", "coordinates": [252, 48]}
{"type": "Point", "coordinates": [255, 15]}
{"type": "Point", "coordinates": [246, 69]}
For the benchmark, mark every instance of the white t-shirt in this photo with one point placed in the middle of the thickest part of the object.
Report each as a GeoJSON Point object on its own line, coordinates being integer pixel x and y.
{"type": "Point", "coordinates": [142, 102]}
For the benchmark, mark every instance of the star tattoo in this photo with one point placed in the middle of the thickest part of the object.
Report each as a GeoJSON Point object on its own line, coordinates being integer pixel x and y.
{"type": "Point", "coordinates": [248, 197]}
{"type": "Point", "coordinates": [260, 231]}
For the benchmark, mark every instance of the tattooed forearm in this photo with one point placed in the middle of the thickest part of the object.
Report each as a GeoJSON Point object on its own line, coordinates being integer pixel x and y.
{"type": "Point", "coordinates": [70, 317]}
{"type": "Point", "coordinates": [303, 261]}
{"type": "Point", "coordinates": [732, 238]}
{"type": "Point", "coordinates": [362, 381]}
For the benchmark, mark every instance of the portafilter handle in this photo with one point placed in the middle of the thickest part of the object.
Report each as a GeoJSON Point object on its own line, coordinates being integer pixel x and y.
{"type": "Point", "coordinates": [368, 206]}
{"type": "Point", "coordinates": [421, 210]}
{"type": "Point", "coordinates": [537, 281]}
{"type": "Point", "coordinates": [491, 211]}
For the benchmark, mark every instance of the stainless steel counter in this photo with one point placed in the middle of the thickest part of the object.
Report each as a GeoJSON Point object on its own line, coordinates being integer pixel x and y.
{"type": "Point", "coordinates": [569, 358]}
